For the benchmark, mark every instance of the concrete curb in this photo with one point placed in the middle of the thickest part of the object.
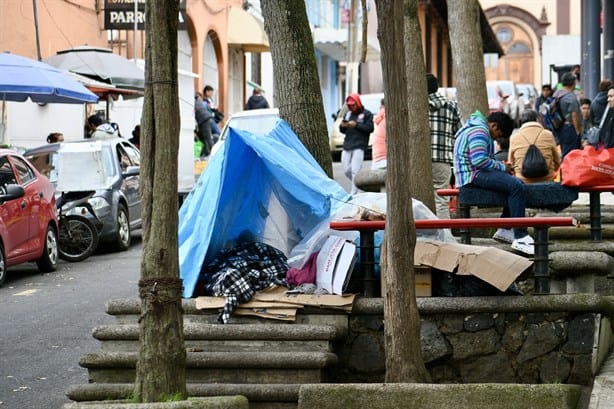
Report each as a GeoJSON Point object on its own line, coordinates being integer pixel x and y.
{"type": "Point", "coordinates": [428, 396]}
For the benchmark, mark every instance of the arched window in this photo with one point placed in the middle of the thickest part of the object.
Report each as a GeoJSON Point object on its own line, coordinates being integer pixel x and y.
{"type": "Point", "coordinates": [519, 48]}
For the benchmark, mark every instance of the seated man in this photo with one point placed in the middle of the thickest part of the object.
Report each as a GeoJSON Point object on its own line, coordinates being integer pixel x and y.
{"type": "Point", "coordinates": [474, 164]}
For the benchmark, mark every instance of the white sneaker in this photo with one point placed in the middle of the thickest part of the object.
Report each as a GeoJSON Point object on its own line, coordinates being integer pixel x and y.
{"type": "Point", "coordinates": [504, 235]}
{"type": "Point", "coordinates": [524, 245]}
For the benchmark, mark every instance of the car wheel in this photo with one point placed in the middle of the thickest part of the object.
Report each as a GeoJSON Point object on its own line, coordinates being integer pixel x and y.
{"type": "Point", "coordinates": [122, 238]}
{"type": "Point", "coordinates": [2, 266]}
{"type": "Point", "coordinates": [49, 260]}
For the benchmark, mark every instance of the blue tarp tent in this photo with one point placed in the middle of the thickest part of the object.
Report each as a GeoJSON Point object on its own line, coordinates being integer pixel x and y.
{"type": "Point", "coordinates": [268, 187]}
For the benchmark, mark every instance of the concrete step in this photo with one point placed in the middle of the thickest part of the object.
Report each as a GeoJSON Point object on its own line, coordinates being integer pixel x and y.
{"type": "Point", "coordinates": [260, 396]}
{"type": "Point", "coordinates": [128, 310]}
{"type": "Point", "coordinates": [200, 337]}
{"type": "Point", "coordinates": [219, 367]}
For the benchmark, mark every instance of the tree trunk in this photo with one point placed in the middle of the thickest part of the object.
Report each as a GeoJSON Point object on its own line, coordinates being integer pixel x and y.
{"type": "Point", "coordinates": [160, 371]}
{"type": "Point", "coordinates": [297, 86]}
{"type": "Point", "coordinates": [467, 56]}
{"type": "Point", "coordinates": [404, 361]}
{"type": "Point", "coordinates": [419, 133]}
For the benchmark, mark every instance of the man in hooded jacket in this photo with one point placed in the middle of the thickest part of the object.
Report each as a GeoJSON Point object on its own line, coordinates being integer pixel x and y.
{"type": "Point", "coordinates": [357, 125]}
{"type": "Point", "coordinates": [100, 128]}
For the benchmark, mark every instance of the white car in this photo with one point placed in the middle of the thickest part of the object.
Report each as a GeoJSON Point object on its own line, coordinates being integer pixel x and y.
{"type": "Point", "coordinates": [259, 121]}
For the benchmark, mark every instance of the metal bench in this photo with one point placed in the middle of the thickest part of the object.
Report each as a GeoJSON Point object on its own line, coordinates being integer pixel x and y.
{"type": "Point", "coordinates": [594, 205]}
{"type": "Point", "coordinates": [540, 224]}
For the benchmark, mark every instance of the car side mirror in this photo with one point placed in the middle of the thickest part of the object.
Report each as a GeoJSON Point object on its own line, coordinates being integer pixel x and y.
{"type": "Point", "coordinates": [131, 171]}
{"type": "Point", "coordinates": [11, 191]}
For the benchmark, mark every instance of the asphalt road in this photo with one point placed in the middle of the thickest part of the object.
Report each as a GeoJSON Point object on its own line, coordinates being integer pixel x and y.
{"type": "Point", "coordinates": [46, 322]}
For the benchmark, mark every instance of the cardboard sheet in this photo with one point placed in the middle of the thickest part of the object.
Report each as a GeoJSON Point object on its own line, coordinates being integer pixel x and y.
{"type": "Point", "coordinates": [495, 266]}
{"type": "Point", "coordinates": [284, 314]}
{"type": "Point", "coordinates": [274, 303]}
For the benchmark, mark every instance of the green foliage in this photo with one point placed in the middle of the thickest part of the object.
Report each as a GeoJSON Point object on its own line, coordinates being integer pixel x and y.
{"type": "Point", "coordinates": [177, 396]}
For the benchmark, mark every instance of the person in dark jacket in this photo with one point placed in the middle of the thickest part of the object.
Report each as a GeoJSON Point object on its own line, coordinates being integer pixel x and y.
{"type": "Point", "coordinates": [606, 135]}
{"type": "Point", "coordinates": [257, 100]}
{"type": "Point", "coordinates": [357, 126]}
{"type": "Point", "coordinates": [203, 118]}
{"type": "Point", "coordinates": [545, 96]}
{"type": "Point", "coordinates": [599, 102]}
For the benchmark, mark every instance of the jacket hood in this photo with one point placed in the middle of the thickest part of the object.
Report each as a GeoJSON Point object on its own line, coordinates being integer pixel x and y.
{"type": "Point", "coordinates": [106, 128]}
{"type": "Point", "coordinates": [436, 101]}
{"type": "Point", "coordinates": [356, 99]}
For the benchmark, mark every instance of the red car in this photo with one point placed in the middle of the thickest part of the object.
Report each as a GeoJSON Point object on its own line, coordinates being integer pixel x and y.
{"type": "Point", "coordinates": [28, 215]}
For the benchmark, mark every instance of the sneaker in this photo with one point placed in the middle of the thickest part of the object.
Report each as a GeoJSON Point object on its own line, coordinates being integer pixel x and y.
{"type": "Point", "coordinates": [524, 245]}
{"type": "Point", "coordinates": [504, 235]}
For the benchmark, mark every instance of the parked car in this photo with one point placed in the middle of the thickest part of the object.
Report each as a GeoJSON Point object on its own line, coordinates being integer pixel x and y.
{"type": "Point", "coordinates": [109, 166]}
{"type": "Point", "coordinates": [28, 221]}
{"type": "Point", "coordinates": [254, 120]}
{"type": "Point", "coordinates": [371, 102]}
{"type": "Point", "coordinates": [504, 96]}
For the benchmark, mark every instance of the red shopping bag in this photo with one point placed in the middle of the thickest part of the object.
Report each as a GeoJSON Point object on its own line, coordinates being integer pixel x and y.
{"type": "Point", "coordinates": [588, 167]}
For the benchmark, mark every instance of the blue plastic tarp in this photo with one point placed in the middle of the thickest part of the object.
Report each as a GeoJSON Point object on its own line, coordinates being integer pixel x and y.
{"type": "Point", "coordinates": [265, 187]}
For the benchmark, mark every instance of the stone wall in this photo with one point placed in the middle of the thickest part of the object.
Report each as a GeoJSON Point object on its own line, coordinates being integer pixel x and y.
{"type": "Point", "coordinates": [484, 347]}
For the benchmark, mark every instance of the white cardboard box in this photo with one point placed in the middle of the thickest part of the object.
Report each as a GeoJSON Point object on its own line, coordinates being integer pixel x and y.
{"type": "Point", "coordinates": [335, 263]}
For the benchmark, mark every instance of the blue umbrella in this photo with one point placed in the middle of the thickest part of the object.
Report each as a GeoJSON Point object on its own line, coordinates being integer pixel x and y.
{"type": "Point", "coordinates": [22, 78]}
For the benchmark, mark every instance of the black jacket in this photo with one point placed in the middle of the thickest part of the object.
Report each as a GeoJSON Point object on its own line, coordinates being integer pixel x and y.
{"type": "Point", "coordinates": [598, 107]}
{"type": "Point", "coordinates": [358, 137]}
{"type": "Point", "coordinates": [256, 102]}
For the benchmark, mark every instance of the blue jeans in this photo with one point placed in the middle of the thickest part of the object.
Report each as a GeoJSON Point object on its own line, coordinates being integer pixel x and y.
{"type": "Point", "coordinates": [512, 187]}
{"type": "Point", "coordinates": [568, 139]}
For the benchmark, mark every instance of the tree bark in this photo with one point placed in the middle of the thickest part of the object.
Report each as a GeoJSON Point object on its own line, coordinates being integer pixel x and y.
{"type": "Point", "coordinates": [160, 371]}
{"type": "Point", "coordinates": [419, 132]}
{"type": "Point", "coordinates": [404, 361]}
{"type": "Point", "coordinates": [295, 73]}
{"type": "Point", "coordinates": [467, 56]}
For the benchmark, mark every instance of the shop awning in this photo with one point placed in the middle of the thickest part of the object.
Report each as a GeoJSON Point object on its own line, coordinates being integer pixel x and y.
{"type": "Point", "coordinates": [246, 31]}
{"type": "Point", "coordinates": [334, 42]}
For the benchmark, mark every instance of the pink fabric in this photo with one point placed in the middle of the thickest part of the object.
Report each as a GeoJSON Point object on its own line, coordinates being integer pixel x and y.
{"type": "Point", "coordinates": [379, 136]}
{"type": "Point", "coordinates": [307, 274]}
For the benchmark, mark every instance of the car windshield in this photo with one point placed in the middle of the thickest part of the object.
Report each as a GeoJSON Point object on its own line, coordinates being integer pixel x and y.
{"type": "Point", "coordinates": [96, 169]}
{"type": "Point", "coordinates": [258, 124]}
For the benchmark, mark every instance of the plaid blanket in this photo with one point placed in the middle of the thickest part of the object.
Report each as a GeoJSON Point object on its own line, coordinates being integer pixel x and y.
{"type": "Point", "coordinates": [237, 273]}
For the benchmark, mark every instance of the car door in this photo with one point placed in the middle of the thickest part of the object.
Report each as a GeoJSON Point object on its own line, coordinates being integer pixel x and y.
{"type": "Point", "coordinates": [129, 156]}
{"type": "Point", "coordinates": [15, 215]}
{"type": "Point", "coordinates": [35, 202]}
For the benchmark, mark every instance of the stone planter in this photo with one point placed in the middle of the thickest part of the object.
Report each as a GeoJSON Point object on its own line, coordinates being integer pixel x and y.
{"type": "Point", "coordinates": [222, 402]}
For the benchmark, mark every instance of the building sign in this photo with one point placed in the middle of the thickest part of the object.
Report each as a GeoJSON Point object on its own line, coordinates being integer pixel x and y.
{"type": "Point", "coordinates": [119, 15]}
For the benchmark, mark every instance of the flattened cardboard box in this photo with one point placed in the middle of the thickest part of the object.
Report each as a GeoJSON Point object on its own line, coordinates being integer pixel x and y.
{"type": "Point", "coordinates": [495, 266]}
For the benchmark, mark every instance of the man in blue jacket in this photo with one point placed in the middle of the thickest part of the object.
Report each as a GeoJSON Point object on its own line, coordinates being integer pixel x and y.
{"type": "Point", "coordinates": [357, 125]}
{"type": "Point", "coordinates": [474, 164]}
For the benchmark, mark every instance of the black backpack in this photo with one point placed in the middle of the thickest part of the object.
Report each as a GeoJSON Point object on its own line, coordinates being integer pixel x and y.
{"type": "Point", "coordinates": [534, 164]}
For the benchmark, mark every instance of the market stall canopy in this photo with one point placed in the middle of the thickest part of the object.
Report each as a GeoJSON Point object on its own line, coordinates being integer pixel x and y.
{"type": "Point", "coordinates": [334, 43]}
{"type": "Point", "coordinates": [22, 78]}
{"type": "Point", "coordinates": [104, 90]}
{"type": "Point", "coordinates": [100, 64]}
{"type": "Point", "coordinates": [246, 31]}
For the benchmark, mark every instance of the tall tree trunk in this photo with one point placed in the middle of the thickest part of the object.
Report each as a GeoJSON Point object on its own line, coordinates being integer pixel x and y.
{"type": "Point", "coordinates": [160, 371]}
{"type": "Point", "coordinates": [419, 133]}
{"type": "Point", "coordinates": [467, 56]}
{"type": "Point", "coordinates": [295, 74]}
{"type": "Point", "coordinates": [404, 361]}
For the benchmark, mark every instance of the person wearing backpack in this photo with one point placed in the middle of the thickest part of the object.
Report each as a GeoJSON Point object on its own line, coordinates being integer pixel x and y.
{"type": "Point", "coordinates": [541, 165]}
{"type": "Point", "coordinates": [569, 134]}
